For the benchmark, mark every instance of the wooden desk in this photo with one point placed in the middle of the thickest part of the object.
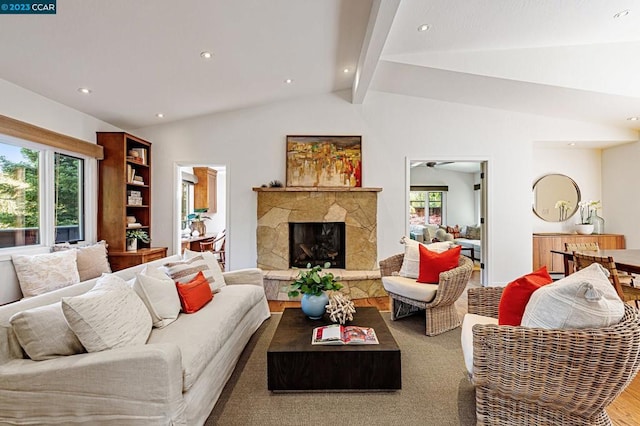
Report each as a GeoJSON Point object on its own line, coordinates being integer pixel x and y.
{"type": "Point", "coordinates": [193, 243]}
{"type": "Point", "coordinates": [627, 260]}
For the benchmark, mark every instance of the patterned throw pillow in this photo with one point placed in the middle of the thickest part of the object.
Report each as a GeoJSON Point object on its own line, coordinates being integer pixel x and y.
{"type": "Point", "coordinates": [110, 315]}
{"type": "Point", "coordinates": [92, 259]}
{"type": "Point", "coordinates": [473, 232]}
{"type": "Point", "coordinates": [213, 274]}
{"type": "Point", "coordinates": [42, 273]}
{"type": "Point", "coordinates": [454, 230]}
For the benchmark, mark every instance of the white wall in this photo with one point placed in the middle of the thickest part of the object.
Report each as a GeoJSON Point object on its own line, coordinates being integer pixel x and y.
{"type": "Point", "coordinates": [21, 104]}
{"type": "Point", "coordinates": [460, 201]}
{"type": "Point", "coordinates": [584, 166]}
{"type": "Point", "coordinates": [251, 142]}
{"type": "Point", "coordinates": [620, 177]}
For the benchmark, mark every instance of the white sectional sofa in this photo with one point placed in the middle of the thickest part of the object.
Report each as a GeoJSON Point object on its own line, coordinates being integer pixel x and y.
{"type": "Point", "coordinates": [173, 379]}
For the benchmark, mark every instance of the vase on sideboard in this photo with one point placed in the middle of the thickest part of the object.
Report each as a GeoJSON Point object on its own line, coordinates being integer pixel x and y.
{"type": "Point", "coordinates": [597, 222]}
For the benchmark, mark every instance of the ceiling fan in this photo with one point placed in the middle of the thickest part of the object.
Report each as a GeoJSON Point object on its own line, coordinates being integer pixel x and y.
{"type": "Point", "coordinates": [436, 163]}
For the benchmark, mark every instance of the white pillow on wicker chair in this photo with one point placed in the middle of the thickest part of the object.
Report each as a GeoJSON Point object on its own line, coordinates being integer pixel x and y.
{"type": "Point", "coordinates": [584, 299]}
{"type": "Point", "coordinates": [411, 262]}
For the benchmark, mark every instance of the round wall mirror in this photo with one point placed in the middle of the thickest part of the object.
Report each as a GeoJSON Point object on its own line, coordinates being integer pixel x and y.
{"type": "Point", "coordinates": [555, 197]}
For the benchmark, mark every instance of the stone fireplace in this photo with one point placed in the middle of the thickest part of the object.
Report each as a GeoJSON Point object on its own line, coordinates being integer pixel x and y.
{"type": "Point", "coordinates": [355, 209]}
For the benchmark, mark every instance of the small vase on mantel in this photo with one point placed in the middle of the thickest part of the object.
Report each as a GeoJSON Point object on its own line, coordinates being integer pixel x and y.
{"type": "Point", "coordinates": [597, 222]}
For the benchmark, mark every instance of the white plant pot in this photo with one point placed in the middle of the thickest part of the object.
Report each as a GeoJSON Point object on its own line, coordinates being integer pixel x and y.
{"type": "Point", "coordinates": [584, 228]}
{"type": "Point", "coordinates": [132, 244]}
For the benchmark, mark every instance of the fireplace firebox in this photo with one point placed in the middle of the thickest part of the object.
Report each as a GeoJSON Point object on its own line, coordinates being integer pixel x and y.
{"type": "Point", "coordinates": [316, 243]}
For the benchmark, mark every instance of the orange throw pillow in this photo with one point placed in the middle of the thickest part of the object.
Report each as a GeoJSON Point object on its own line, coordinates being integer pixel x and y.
{"type": "Point", "coordinates": [517, 293]}
{"type": "Point", "coordinates": [194, 294]}
{"type": "Point", "coordinates": [432, 263]}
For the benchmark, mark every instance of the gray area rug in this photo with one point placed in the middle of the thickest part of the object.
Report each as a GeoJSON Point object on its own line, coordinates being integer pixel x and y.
{"type": "Point", "coordinates": [435, 389]}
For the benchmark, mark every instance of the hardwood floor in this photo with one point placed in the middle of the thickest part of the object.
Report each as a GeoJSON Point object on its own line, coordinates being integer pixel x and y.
{"type": "Point", "coordinates": [624, 411]}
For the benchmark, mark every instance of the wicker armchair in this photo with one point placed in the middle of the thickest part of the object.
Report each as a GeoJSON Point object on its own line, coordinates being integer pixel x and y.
{"type": "Point", "coordinates": [533, 376]}
{"type": "Point", "coordinates": [441, 314]}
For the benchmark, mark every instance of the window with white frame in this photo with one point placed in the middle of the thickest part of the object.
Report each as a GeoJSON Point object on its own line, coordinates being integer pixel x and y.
{"type": "Point", "coordinates": [427, 205]}
{"type": "Point", "coordinates": [42, 194]}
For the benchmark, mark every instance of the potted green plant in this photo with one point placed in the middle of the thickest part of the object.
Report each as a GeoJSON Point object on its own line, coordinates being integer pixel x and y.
{"type": "Point", "coordinates": [313, 285]}
{"type": "Point", "coordinates": [197, 221]}
{"type": "Point", "coordinates": [133, 235]}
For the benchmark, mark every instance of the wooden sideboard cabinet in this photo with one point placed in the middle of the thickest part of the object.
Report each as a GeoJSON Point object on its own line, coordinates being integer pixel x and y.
{"type": "Point", "coordinates": [544, 243]}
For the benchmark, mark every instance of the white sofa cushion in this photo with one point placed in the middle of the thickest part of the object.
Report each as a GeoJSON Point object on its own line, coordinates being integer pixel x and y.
{"type": "Point", "coordinates": [408, 287]}
{"type": "Point", "coordinates": [92, 260]}
{"type": "Point", "coordinates": [43, 333]}
{"type": "Point", "coordinates": [584, 299]}
{"type": "Point", "coordinates": [202, 335]}
{"type": "Point", "coordinates": [111, 315]}
{"type": "Point", "coordinates": [42, 273]}
{"type": "Point", "coordinates": [158, 292]}
{"type": "Point", "coordinates": [466, 336]}
{"type": "Point", "coordinates": [411, 262]}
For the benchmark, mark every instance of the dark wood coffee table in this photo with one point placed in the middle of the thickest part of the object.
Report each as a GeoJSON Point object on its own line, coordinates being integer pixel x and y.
{"type": "Point", "coordinates": [294, 364]}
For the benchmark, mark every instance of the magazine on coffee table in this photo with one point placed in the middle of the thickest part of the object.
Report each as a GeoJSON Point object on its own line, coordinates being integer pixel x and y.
{"type": "Point", "coordinates": [337, 334]}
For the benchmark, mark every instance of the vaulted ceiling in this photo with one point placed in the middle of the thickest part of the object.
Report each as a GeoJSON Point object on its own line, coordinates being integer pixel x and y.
{"type": "Point", "coordinates": [573, 59]}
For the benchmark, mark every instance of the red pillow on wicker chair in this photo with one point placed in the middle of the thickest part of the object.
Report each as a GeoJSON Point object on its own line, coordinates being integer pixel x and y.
{"type": "Point", "coordinates": [432, 263]}
{"type": "Point", "coordinates": [517, 293]}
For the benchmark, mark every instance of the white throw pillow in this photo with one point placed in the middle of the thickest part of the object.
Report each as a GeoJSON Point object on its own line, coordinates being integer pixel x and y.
{"type": "Point", "coordinates": [584, 299]}
{"type": "Point", "coordinates": [208, 265]}
{"type": "Point", "coordinates": [92, 259]}
{"type": "Point", "coordinates": [159, 294]}
{"type": "Point", "coordinates": [411, 262]}
{"type": "Point", "coordinates": [42, 273]}
{"type": "Point", "coordinates": [111, 315]}
{"type": "Point", "coordinates": [43, 333]}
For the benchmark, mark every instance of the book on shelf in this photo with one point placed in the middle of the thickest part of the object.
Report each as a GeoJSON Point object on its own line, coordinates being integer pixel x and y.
{"type": "Point", "coordinates": [337, 334]}
{"type": "Point", "coordinates": [134, 225]}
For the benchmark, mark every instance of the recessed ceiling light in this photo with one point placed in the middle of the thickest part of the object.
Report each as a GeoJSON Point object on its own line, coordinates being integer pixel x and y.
{"type": "Point", "coordinates": [622, 14]}
{"type": "Point", "coordinates": [571, 144]}
{"type": "Point", "coordinates": [424, 27]}
{"type": "Point", "coordinates": [633, 118]}
{"type": "Point", "coordinates": [288, 81]}
{"type": "Point", "coordinates": [84, 90]}
{"type": "Point", "coordinates": [346, 70]}
{"type": "Point", "coordinates": [206, 55]}
{"type": "Point", "coordinates": [160, 115]}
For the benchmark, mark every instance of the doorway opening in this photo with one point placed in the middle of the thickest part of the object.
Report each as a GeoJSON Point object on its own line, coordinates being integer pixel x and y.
{"type": "Point", "coordinates": [450, 194]}
{"type": "Point", "coordinates": [201, 207]}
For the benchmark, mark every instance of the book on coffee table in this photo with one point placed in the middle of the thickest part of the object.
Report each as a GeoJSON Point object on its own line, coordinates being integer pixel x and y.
{"type": "Point", "coordinates": [337, 334]}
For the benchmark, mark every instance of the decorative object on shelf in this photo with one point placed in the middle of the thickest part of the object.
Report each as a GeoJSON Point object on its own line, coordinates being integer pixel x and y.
{"type": "Point", "coordinates": [197, 221]}
{"type": "Point", "coordinates": [131, 219]}
{"type": "Point", "coordinates": [595, 220]}
{"type": "Point", "coordinates": [313, 285]}
{"type": "Point", "coordinates": [584, 228]}
{"type": "Point", "coordinates": [275, 184]}
{"type": "Point", "coordinates": [133, 235]}
{"type": "Point", "coordinates": [340, 308]}
{"type": "Point", "coordinates": [324, 161]}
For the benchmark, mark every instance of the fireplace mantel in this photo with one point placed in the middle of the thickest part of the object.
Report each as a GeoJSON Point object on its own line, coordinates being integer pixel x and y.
{"type": "Point", "coordinates": [315, 189]}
